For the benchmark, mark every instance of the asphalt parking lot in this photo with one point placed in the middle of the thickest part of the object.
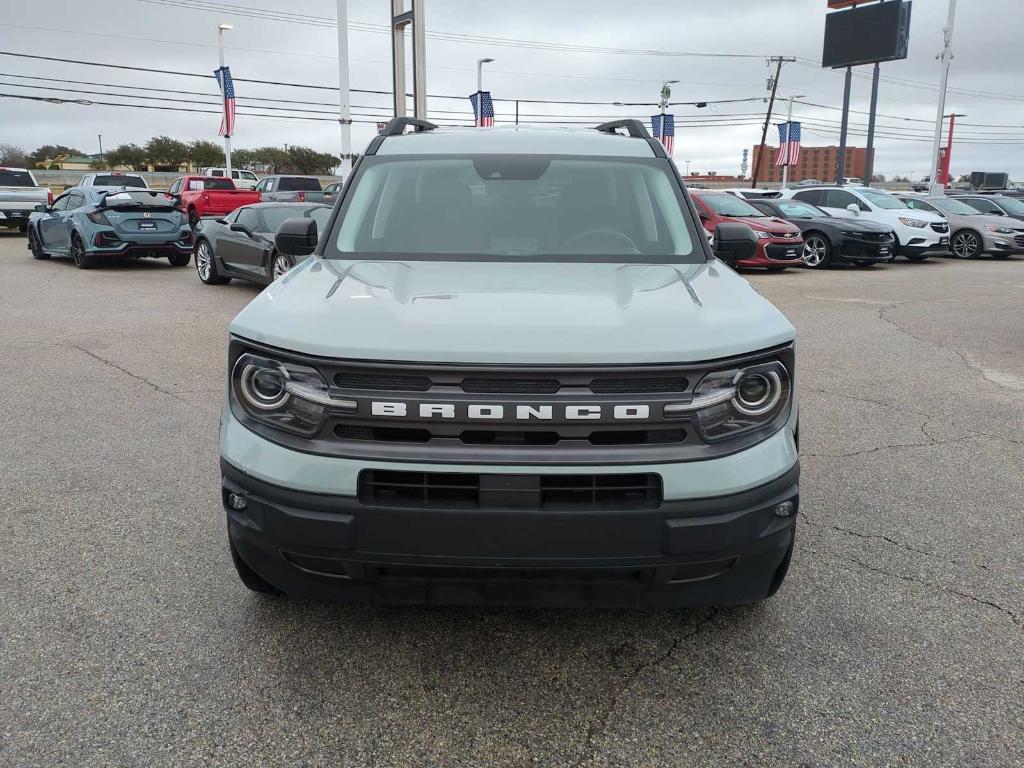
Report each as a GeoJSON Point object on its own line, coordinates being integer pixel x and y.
{"type": "Point", "coordinates": [898, 639]}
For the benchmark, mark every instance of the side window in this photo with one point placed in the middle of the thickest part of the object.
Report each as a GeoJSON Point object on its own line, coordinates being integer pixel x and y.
{"type": "Point", "coordinates": [175, 187]}
{"type": "Point", "coordinates": [61, 203]}
{"type": "Point", "coordinates": [763, 208]}
{"type": "Point", "coordinates": [270, 185]}
{"type": "Point", "coordinates": [249, 219]}
{"type": "Point", "coordinates": [248, 175]}
{"type": "Point", "coordinates": [75, 200]}
{"type": "Point", "coordinates": [840, 198]}
{"type": "Point", "coordinates": [921, 205]}
{"type": "Point", "coordinates": [216, 172]}
{"type": "Point", "coordinates": [812, 196]}
{"type": "Point", "coordinates": [985, 206]}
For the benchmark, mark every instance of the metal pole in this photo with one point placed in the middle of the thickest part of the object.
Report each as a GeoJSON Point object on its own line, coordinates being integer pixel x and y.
{"type": "Point", "coordinates": [767, 119]}
{"type": "Point", "coordinates": [344, 96]}
{"type": "Point", "coordinates": [789, 124]}
{"type": "Point", "coordinates": [398, 56]}
{"type": "Point", "coordinates": [869, 164]}
{"type": "Point", "coordinates": [419, 59]}
{"type": "Point", "coordinates": [101, 148]}
{"type": "Point", "coordinates": [945, 57]}
{"type": "Point", "coordinates": [227, 139]}
{"type": "Point", "coordinates": [841, 164]}
{"type": "Point", "coordinates": [517, 111]}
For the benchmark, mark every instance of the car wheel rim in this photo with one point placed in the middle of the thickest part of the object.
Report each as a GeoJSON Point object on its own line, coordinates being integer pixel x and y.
{"type": "Point", "coordinates": [964, 245]}
{"type": "Point", "coordinates": [203, 261]}
{"type": "Point", "coordinates": [814, 252]}
{"type": "Point", "coordinates": [281, 266]}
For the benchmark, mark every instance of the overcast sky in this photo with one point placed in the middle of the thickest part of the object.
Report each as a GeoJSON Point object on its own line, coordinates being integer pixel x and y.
{"type": "Point", "coordinates": [987, 76]}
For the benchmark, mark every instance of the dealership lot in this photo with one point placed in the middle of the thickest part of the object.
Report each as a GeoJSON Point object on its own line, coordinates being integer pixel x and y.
{"type": "Point", "coordinates": [896, 640]}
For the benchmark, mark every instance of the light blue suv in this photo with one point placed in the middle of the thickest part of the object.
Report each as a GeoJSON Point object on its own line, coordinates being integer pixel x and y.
{"type": "Point", "coordinates": [513, 372]}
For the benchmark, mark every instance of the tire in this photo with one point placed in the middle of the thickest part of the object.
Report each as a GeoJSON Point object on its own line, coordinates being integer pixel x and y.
{"type": "Point", "coordinates": [895, 249]}
{"type": "Point", "coordinates": [23, 228]}
{"type": "Point", "coordinates": [817, 251]}
{"type": "Point", "coordinates": [36, 247]}
{"type": "Point", "coordinates": [78, 255]}
{"type": "Point", "coordinates": [180, 259]}
{"type": "Point", "coordinates": [966, 244]}
{"type": "Point", "coordinates": [249, 577]}
{"type": "Point", "coordinates": [917, 257]}
{"type": "Point", "coordinates": [193, 218]}
{"type": "Point", "coordinates": [279, 265]}
{"type": "Point", "coordinates": [206, 264]}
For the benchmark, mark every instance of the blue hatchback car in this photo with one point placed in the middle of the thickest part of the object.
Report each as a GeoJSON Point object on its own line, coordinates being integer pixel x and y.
{"type": "Point", "coordinates": [88, 224]}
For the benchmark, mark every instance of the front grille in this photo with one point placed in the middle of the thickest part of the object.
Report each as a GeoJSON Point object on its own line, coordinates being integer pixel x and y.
{"type": "Point", "coordinates": [1018, 240]}
{"type": "Point", "coordinates": [782, 252]}
{"type": "Point", "coordinates": [511, 386]}
{"type": "Point", "coordinates": [639, 385]}
{"type": "Point", "coordinates": [873, 237]}
{"type": "Point", "coordinates": [447, 490]}
{"type": "Point", "coordinates": [381, 382]}
{"type": "Point", "coordinates": [941, 227]}
{"type": "Point", "coordinates": [511, 437]}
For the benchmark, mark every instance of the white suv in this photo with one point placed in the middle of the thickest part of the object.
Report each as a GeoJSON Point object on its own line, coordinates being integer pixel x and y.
{"type": "Point", "coordinates": [918, 233]}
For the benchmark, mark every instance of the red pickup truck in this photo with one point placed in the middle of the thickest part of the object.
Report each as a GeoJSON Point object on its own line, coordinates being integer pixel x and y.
{"type": "Point", "coordinates": [201, 196]}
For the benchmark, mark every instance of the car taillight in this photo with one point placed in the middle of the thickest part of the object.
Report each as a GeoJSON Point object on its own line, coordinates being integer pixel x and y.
{"type": "Point", "coordinates": [49, 197]}
{"type": "Point", "coordinates": [98, 217]}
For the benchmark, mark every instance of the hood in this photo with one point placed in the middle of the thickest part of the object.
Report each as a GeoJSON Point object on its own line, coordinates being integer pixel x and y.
{"type": "Point", "coordinates": [851, 225]}
{"type": "Point", "coordinates": [512, 313]}
{"type": "Point", "coordinates": [771, 224]}
{"type": "Point", "coordinates": [983, 220]}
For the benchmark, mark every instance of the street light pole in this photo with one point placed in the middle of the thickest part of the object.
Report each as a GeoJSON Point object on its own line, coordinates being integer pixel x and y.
{"type": "Point", "coordinates": [344, 94]}
{"type": "Point", "coordinates": [688, 167]}
{"type": "Point", "coordinates": [100, 136]}
{"type": "Point", "coordinates": [789, 128]}
{"type": "Point", "coordinates": [945, 57]}
{"type": "Point", "coordinates": [480, 73]}
{"type": "Point", "coordinates": [220, 53]}
{"type": "Point", "coordinates": [666, 94]}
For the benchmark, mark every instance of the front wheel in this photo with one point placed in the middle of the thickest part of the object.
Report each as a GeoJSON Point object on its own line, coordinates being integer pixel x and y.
{"type": "Point", "coordinates": [966, 245]}
{"type": "Point", "coordinates": [78, 255]}
{"type": "Point", "coordinates": [206, 265]}
{"type": "Point", "coordinates": [193, 218]}
{"type": "Point", "coordinates": [180, 259]}
{"type": "Point", "coordinates": [35, 246]}
{"type": "Point", "coordinates": [817, 251]}
{"type": "Point", "coordinates": [280, 264]}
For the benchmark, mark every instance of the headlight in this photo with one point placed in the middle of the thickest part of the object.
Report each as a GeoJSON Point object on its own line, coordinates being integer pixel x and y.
{"type": "Point", "coordinates": [763, 235]}
{"type": "Point", "coordinates": [736, 400]}
{"type": "Point", "coordinates": [998, 230]}
{"type": "Point", "coordinates": [282, 394]}
{"type": "Point", "coordinates": [916, 223]}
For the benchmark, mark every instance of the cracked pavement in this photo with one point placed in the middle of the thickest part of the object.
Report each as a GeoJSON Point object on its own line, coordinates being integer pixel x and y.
{"type": "Point", "coordinates": [897, 639]}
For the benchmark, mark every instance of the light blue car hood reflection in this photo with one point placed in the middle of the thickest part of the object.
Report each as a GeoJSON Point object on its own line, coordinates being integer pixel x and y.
{"type": "Point", "coordinates": [525, 313]}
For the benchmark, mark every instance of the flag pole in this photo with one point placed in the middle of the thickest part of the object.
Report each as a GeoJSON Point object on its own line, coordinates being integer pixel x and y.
{"type": "Point", "coordinates": [223, 106]}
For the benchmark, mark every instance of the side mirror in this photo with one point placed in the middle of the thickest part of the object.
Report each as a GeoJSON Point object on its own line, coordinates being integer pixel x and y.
{"type": "Point", "coordinates": [297, 237]}
{"type": "Point", "coordinates": [734, 242]}
{"type": "Point", "coordinates": [41, 208]}
{"type": "Point", "coordinates": [854, 209]}
{"type": "Point", "coordinates": [236, 227]}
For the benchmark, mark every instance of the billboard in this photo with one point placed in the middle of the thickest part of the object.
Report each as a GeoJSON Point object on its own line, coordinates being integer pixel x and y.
{"type": "Point", "coordinates": [866, 34]}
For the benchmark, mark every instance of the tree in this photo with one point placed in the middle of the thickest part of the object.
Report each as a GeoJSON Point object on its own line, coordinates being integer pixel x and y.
{"type": "Point", "coordinates": [244, 158]}
{"type": "Point", "coordinates": [130, 156]}
{"type": "Point", "coordinates": [48, 152]}
{"type": "Point", "coordinates": [206, 154]}
{"type": "Point", "coordinates": [12, 155]}
{"type": "Point", "coordinates": [965, 179]}
{"type": "Point", "coordinates": [267, 159]}
{"type": "Point", "coordinates": [166, 153]}
{"type": "Point", "coordinates": [306, 160]}
{"type": "Point", "coordinates": [98, 164]}
{"type": "Point", "coordinates": [879, 177]}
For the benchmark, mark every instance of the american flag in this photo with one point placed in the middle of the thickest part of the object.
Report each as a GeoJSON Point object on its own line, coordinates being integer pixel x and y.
{"type": "Point", "coordinates": [789, 144]}
{"type": "Point", "coordinates": [665, 130]}
{"type": "Point", "coordinates": [483, 109]}
{"type": "Point", "coordinates": [227, 89]}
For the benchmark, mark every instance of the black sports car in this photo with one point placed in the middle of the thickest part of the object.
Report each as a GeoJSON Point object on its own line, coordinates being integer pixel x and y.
{"type": "Point", "coordinates": [242, 243]}
{"type": "Point", "coordinates": [828, 239]}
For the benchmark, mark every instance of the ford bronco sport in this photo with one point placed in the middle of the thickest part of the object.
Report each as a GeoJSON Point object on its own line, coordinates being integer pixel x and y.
{"type": "Point", "coordinates": [512, 372]}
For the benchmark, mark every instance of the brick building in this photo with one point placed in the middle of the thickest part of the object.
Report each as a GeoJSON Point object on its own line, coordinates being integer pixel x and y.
{"type": "Point", "coordinates": [814, 163]}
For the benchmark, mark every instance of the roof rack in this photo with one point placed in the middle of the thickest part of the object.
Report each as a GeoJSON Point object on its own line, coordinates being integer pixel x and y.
{"type": "Point", "coordinates": [634, 128]}
{"type": "Point", "coordinates": [397, 125]}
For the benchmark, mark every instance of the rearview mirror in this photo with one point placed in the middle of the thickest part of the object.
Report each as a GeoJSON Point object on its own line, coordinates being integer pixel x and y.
{"type": "Point", "coordinates": [297, 237]}
{"type": "Point", "coordinates": [854, 209]}
{"type": "Point", "coordinates": [734, 242]}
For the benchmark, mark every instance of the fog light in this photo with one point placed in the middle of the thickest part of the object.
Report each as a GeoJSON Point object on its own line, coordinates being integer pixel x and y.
{"type": "Point", "coordinates": [785, 509]}
{"type": "Point", "coordinates": [238, 502]}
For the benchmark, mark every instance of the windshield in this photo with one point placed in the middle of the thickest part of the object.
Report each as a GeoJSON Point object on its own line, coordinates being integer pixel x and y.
{"type": "Point", "coordinates": [9, 178]}
{"type": "Point", "coordinates": [117, 180]}
{"type": "Point", "coordinates": [516, 206]}
{"type": "Point", "coordinates": [274, 217]}
{"type": "Point", "coordinates": [881, 199]}
{"type": "Point", "coordinates": [954, 206]}
{"type": "Point", "coordinates": [1011, 205]}
{"type": "Point", "coordinates": [132, 199]}
{"type": "Point", "coordinates": [730, 205]}
{"type": "Point", "coordinates": [793, 209]}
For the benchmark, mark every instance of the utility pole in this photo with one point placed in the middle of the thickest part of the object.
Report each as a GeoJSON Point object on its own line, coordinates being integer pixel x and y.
{"type": "Point", "coordinates": [869, 164]}
{"type": "Point", "coordinates": [844, 127]}
{"type": "Point", "coordinates": [100, 136]}
{"type": "Point", "coordinates": [227, 138]}
{"type": "Point", "coordinates": [789, 131]}
{"type": "Point", "coordinates": [344, 95]}
{"type": "Point", "coordinates": [945, 57]}
{"type": "Point", "coordinates": [779, 61]}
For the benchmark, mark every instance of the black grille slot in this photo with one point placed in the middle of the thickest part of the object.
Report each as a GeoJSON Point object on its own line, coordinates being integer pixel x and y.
{"type": "Point", "coordinates": [512, 386]}
{"type": "Point", "coordinates": [382, 382]}
{"type": "Point", "coordinates": [473, 491]}
{"type": "Point", "coordinates": [940, 227]}
{"type": "Point", "coordinates": [1019, 240]}
{"type": "Point", "coordinates": [638, 385]}
{"type": "Point", "coordinates": [637, 437]}
{"type": "Point", "coordinates": [383, 434]}
{"type": "Point", "coordinates": [510, 437]}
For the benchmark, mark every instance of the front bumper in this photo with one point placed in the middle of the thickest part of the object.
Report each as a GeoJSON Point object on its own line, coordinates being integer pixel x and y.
{"type": "Point", "coordinates": [858, 249]}
{"type": "Point", "coordinates": [1000, 243]}
{"type": "Point", "coordinates": [776, 252]}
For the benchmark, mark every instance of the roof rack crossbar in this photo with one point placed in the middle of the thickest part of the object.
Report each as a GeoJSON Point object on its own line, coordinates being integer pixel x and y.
{"type": "Point", "coordinates": [634, 128]}
{"type": "Point", "coordinates": [397, 125]}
